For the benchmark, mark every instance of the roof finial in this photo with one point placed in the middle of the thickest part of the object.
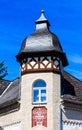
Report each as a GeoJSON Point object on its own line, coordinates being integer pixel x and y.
{"type": "Point", "coordinates": [42, 11]}
{"type": "Point", "coordinates": [42, 17]}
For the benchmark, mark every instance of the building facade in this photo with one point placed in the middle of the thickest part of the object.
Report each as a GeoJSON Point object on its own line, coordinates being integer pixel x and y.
{"type": "Point", "coordinates": [44, 96]}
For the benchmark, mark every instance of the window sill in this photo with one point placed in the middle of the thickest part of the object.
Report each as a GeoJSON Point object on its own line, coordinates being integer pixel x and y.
{"type": "Point", "coordinates": [37, 103]}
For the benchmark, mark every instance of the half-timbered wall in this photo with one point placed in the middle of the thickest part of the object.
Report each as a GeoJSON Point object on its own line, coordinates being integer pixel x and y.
{"type": "Point", "coordinates": [40, 63]}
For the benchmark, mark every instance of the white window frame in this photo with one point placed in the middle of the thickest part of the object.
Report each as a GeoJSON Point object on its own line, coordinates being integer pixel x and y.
{"type": "Point", "coordinates": [39, 90]}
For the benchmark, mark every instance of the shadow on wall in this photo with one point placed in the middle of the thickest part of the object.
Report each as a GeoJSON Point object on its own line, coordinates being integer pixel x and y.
{"type": "Point", "coordinates": [1, 128]}
{"type": "Point", "coordinates": [67, 88]}
{"type": "Point", "coordinates": [72, 114]}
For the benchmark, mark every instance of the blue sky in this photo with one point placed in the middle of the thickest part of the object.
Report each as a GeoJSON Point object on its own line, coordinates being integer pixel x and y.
{"type": "Point", "coordinates": [17, 20]}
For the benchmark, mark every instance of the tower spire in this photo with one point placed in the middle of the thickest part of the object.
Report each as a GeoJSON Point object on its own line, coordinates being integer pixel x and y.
{"type": "Point", "coordinates": [42, 22]}
{"type": "Point", "coordinates": [42, 17]}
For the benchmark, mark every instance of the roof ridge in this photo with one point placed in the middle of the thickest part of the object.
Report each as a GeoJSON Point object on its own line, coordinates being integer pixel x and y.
{"type": "Point", "coordinates": [72, 76]}
{"type": "Point", "coordinates": [6, 89]}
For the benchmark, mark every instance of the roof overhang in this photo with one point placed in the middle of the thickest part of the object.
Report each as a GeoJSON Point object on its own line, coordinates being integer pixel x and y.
{"type": "Point", "coordinates": [69, 101]}
{"type": "Point", "coordinates": [58, 54]}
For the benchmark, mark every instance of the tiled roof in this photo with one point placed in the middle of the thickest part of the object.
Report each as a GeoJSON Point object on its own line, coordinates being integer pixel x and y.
{"type": "Point", "coordinates": [36, 42]}
{"type": "Point", "coordinates": [42, 40]}
{"type": "Point", "coordinates": [3, 85]}
{"type": "Point", "coordinates": [12, 93]}
{"type": "Point", "coordinates": [72, 88]}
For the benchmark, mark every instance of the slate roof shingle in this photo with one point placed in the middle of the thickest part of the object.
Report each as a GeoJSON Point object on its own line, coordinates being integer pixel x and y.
{"type": "Point", "coordinates": [72, 88]}
{"type": "Point", "coordinates": [3, 85]}
{"type": "Point", "coordinates": [12, 93]}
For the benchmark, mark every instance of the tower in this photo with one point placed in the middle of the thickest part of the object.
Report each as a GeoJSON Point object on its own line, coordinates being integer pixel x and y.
{"type": "Point", "coordinates": [42, 59]}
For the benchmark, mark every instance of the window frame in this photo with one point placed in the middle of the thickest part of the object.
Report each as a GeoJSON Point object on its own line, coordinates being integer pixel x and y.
{"type": "Point", "coordinates": [39, 89]}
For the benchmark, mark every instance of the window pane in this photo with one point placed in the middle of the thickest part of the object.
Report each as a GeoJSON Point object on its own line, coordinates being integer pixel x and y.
{"type": "Point", "coordinates": [39, 83]}
{"type": "Point", "coordinates": [39, 91]}
{"type": "Point", "coordinates": [43, 95]}
{"type": "Point", "coordinates": [36, 96]}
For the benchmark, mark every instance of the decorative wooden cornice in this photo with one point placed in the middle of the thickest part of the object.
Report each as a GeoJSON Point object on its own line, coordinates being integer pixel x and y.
{"type": "Point", "coordinates": [40, 64]}
{"type": "Point", "coordinates": [72, 122]}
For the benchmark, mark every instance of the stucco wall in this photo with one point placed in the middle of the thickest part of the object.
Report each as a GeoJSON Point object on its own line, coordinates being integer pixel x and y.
{"type": "Point", "coordinates": [72, 126]}
{"type": "Point", "coordinates": [24, 115]}
{"type": "Point", "coordinates": [53, 94]}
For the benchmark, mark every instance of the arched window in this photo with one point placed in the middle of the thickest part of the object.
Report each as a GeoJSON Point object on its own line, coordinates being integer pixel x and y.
{"type": "Point", "coordinates": [39, 91]}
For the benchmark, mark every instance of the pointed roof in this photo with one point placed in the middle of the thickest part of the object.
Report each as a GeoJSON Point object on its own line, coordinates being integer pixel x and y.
{"type": "Point", "coordinates": [42, 18]}
{"type": "Point", "coordinates": [42, 41]}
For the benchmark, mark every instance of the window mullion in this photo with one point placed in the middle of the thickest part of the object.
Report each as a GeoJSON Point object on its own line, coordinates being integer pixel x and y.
{"type": "Point", "coordinates": [39, 92]}
{"type": "Point", "coordinates": [39, 95]}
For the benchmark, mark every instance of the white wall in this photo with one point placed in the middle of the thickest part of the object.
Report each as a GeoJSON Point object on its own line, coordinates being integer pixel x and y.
{"type": "Point", "coordinates": [72, 126]}
{"type": "Point", "coordinates": [13, 127]}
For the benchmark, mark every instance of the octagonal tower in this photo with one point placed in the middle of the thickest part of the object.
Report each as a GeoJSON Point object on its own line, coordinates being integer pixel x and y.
{"type": "Point", "coordinates": [42, 59]}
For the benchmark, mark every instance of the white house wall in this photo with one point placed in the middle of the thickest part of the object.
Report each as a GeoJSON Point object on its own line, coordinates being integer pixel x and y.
{"type": "Point", "coordinates": [72, 126]}
{"type": "Point", "coordinates": [13, 127]}
{"type": "Point", "coordinates": [72, 119]}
